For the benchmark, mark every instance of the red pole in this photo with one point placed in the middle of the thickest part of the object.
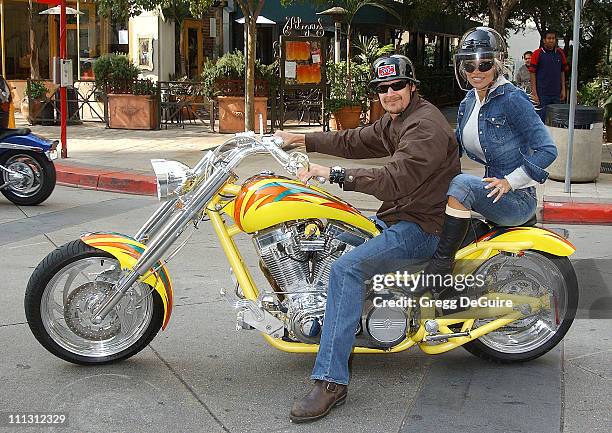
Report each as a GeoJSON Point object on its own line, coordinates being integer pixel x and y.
{"type": "Point", "coordinates": [62, 88]}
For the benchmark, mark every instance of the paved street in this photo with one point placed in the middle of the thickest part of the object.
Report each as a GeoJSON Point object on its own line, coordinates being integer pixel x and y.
{"type": "Point", "coordinates": [201, 375]}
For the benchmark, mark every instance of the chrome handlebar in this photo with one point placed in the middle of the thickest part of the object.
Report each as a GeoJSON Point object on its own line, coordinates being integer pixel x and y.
{"type": "Point", "coordinates": [246, 144]}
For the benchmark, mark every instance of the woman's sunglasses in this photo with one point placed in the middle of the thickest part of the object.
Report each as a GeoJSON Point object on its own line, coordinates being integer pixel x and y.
{"type": "Point", "coordinates": [382, 88]}
{"type": "Point", "coordinates": [482, 66]}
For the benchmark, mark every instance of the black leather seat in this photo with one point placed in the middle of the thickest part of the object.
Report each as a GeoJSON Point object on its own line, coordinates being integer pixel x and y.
{"type": "Point", "coordinates": [8, 132]}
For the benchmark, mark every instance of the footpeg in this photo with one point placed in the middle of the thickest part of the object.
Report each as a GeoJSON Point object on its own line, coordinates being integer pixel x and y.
{"type": "Point", "coordinates": [250, 316]}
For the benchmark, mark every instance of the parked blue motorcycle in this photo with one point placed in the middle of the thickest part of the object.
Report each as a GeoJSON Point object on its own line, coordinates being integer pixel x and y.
{"type": "Point", "coordinates": [27, 173]}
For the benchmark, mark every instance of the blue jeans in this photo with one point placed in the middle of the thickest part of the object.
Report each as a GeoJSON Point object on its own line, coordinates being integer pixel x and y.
{"type": "Point", "coordinates": [404, 242]}
{"type": "Point", "coordinates": [547, 100]}
{"type": "Point", "coordinates": [514, 208]}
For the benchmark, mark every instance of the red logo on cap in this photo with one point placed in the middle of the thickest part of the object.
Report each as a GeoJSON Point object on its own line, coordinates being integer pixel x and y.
{"type": "Point", "coordinates": [386, 71]}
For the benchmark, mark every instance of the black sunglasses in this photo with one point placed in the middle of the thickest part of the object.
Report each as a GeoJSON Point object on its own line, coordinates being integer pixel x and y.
{"type": "Point", "coordinates": [482, 66]}
{"type": "Point", "coordinates": [382, 88]}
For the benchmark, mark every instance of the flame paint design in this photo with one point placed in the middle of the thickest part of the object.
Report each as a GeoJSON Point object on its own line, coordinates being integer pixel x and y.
{"type": "Point", "coordinates": [282, 189]}
{"type": "Point", "coordinates": [502, 230]}
{"type": "Point", "coordinates": [132, 248]}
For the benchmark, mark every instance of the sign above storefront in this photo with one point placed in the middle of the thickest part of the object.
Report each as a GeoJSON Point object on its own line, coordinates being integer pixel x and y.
{"type": "Point", "coordinates": [295, 27]}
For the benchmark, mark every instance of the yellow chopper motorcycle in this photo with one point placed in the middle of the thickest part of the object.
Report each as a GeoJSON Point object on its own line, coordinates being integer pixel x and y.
{"type": "Point", "coordinates": [103, 298]}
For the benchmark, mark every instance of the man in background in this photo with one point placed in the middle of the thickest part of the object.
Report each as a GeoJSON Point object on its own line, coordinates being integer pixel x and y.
{"type": "Point", "coordinates": [547, 70]}
{"type": "Point", "coordinates": [522, 77]}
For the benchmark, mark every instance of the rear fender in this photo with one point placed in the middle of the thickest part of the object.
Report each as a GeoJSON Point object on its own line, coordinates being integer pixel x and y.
{"type": "Point", "coordinates": [516, 239]}
{"type": "Point", "coordinates": [127, 251]}
{"type": "Point", "coordinates": [31, 141]}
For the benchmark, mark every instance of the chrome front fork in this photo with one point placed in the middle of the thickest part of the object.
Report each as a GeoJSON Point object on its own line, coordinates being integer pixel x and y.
{"type": "Point", "coordinates": [163, 238]}
{"type": "Point", "coordinates": [162, 234]}
{"type": "Point", "coordinates": [150, 228]}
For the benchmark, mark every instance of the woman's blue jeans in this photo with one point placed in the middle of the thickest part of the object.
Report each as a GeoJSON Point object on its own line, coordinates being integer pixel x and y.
{"type": "Point", "coordinates": [401, 244]}
{"type": "Point", "coordinates": [513, 209]}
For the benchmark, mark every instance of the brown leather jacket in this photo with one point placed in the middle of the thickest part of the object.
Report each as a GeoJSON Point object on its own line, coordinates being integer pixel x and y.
{"type": "Point", "coordinates": [424, 159]}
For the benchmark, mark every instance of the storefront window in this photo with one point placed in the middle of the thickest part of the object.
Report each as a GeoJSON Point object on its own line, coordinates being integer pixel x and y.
{"type": "Point", "coordinates": [17, 39]}
{"type": "Point", "coordinates": [87, 37]}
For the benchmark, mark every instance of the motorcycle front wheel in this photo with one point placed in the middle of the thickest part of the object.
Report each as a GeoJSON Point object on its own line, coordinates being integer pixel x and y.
{"type": "Point", "coordinates": [533, 274]}
{"type": "Point", "coordinates": [31, 177]}
{"type": "Point", "coordinates": [65, 289]}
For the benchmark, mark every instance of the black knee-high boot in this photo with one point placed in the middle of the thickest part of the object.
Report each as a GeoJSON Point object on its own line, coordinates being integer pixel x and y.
{"type": "Point", "coordinates": [443, 260]}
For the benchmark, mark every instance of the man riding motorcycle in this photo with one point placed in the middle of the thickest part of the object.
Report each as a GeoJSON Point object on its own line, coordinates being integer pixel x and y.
{"type": "Point", "coordinates": [412, 185]}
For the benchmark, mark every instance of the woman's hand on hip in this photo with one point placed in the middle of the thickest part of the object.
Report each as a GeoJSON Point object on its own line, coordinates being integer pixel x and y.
{"type": "Point", "coordinates": [499, 187]}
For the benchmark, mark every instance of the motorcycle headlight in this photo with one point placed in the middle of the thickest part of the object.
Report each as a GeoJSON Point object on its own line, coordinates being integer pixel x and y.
{"type": "Point", "coordinates": [171, 177]}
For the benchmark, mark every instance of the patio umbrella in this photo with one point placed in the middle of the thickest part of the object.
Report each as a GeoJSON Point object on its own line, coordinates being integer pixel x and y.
{"type": "Point", "coordinates": [56, 11]}
{"type": "Point", "coordinates": [260, 20]}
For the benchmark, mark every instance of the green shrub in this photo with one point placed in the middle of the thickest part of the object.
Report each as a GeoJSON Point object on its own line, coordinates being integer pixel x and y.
{"type": "Point", "coordinates": [608, 108]}
{"type": "Point", "coordinates": [598, 91]}
{"type": "Point", "coordinates": [117, 71]}
{"type": "Point", "coordinates": [337, 80]}
{"type": "Point", "coordinates": [231, 66]}
{"type": "Point", "coordinates": [37, 90]}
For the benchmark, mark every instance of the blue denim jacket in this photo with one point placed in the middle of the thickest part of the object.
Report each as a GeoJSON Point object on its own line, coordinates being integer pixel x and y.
{"type": "Point", "coordinates": [511, 133]}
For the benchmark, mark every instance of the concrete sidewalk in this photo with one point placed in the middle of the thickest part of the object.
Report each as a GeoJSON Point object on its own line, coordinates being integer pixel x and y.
{"type": "Point", "coordinates": [201, 375]}
{"type": "Point", "coordinates": [119, 161]}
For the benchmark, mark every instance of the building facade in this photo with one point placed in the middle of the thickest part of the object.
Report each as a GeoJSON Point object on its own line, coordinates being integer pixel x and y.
{"type": "Point", "coordinates": [163, 48]}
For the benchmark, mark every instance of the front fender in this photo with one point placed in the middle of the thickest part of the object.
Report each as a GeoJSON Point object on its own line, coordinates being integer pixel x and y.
{"type": "Point", "coordinates": [515, 239]}
{"type": "Point", "coordinates": [128, 250]}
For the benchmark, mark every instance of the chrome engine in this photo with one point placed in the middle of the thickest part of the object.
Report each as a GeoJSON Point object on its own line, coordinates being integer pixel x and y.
{"type": "Point", "coordinates": [297, 258]}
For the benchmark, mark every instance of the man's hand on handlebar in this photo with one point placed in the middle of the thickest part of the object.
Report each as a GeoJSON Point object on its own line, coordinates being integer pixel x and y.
{"type": "Point", "coordinates": [315, 171]}
{"type": "Point", "coordinates": [291, 140]}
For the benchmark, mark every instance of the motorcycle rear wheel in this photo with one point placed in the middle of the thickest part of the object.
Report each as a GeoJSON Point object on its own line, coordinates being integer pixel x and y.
{"type": "Point", "coordinates": [533, 336]}
{"type": "Point", "coordinates": [37, 180]}
{"type": "Point", "coordinates": [64, 290]}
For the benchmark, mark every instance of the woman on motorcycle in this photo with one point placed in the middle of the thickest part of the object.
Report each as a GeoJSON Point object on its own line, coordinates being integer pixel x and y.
{"type": "Point", "coordinates": [497, 127]}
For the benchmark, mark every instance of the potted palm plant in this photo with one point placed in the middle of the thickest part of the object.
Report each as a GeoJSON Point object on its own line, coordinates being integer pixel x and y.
{"type": "Point", "coordinates": [132, 103]}
{"type": "Point", "coordinates": [370, 50]}
{"type": "Point", "coordinates": [346, 110]}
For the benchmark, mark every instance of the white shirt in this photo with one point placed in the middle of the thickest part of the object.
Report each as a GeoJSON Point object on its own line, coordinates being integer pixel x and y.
{"type": "Point", "coordinates": [471, 141]}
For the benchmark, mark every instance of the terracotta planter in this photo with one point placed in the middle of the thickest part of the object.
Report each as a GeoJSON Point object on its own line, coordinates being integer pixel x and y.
{"type": "Point", "coordinates": [376, 110]}
{"type": "Point", "coordinates": [347, 117]}
{"type": "Point", "coordinates": [231, 113]}
{"type": "Point", "coordinates": [39, 112]}
{"type": "Point", "coordinates": [132, 112]}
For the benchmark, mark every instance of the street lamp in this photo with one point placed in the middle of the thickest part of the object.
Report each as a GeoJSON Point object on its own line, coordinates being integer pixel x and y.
{"type": "Point", "coordinates": [337, 13]}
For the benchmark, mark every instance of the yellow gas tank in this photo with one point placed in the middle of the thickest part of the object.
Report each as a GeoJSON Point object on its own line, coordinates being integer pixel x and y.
{"type": "Point", "coordinates": [266, 200]}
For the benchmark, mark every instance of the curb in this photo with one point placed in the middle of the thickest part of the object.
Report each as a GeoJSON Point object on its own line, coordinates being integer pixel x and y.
{"type": "Point", "coordinates": [577, 213]}
{"type": "Point", "coordinates": [127, 182]}
{"type": "Point", "coordinates": [130, 182]}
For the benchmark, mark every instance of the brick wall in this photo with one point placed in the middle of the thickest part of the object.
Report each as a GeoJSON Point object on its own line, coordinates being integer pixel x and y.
{"type": "Point", "coordinates": [209, 43]}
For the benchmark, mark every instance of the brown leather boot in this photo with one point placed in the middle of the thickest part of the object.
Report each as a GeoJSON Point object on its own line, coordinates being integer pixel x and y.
{"type": "Point", "coordinates": [318, 402]}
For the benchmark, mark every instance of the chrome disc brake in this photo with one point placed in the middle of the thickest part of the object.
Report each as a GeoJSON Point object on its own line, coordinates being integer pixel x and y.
{"type": "Point", "coordinates": [79, 311]}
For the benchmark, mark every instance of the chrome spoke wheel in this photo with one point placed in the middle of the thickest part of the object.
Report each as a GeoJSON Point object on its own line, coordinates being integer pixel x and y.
{"type": "Point", "coordinates": [24, 175]}
{"type": "Point", "coordinates": [531, 274]}
{"type": "Point", "coordinates": [73, 294]}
